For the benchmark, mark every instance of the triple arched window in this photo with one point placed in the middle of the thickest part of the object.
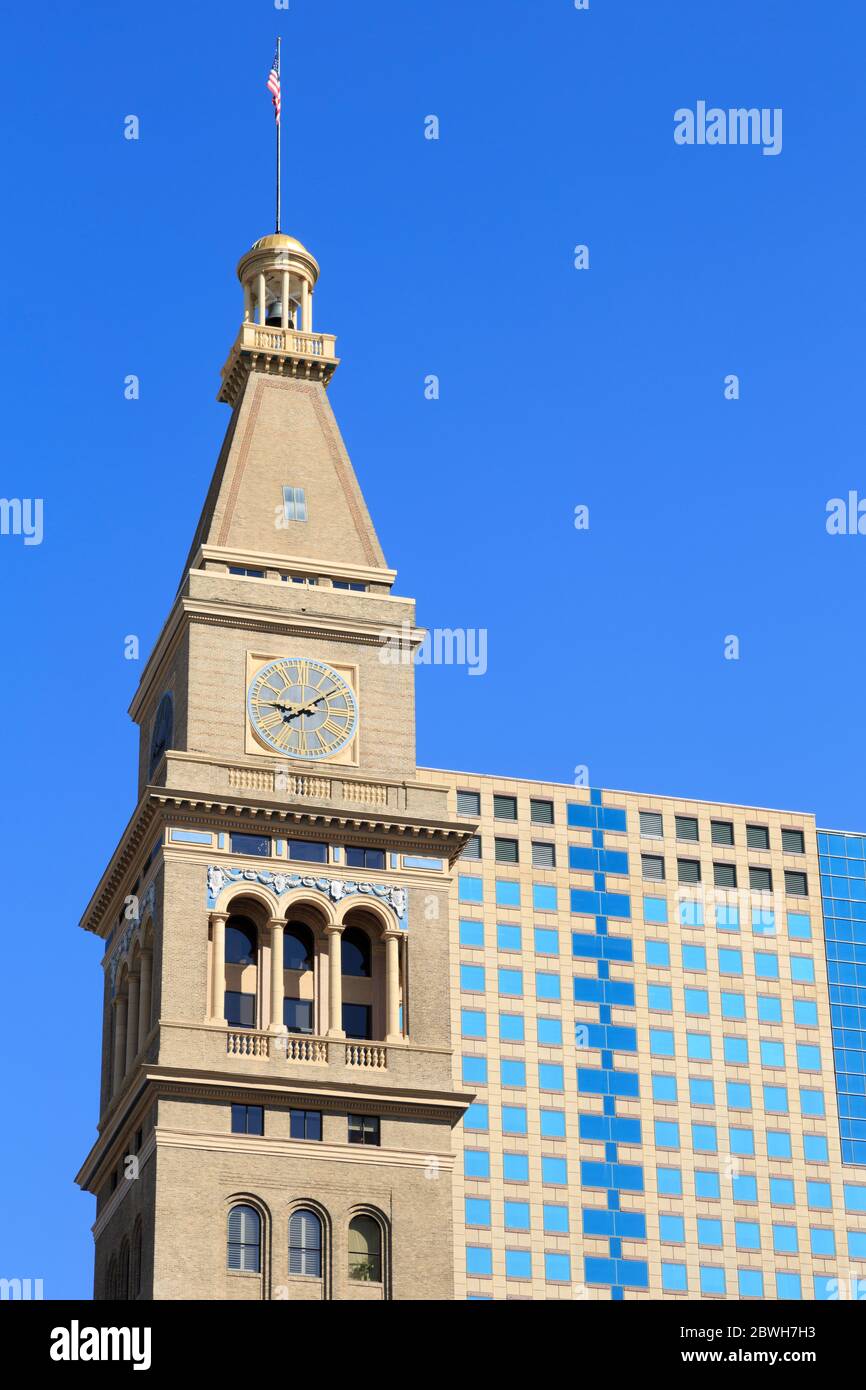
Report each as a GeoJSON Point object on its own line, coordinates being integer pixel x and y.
{"type": "Point", "coordinates": [306, 1243]}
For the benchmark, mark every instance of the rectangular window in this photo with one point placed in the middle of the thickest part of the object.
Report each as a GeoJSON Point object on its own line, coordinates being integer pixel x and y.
{"type": "Point", "coordinates": [651, 825]}
{"type": "Point", "coordinates": [240, 1009]}
{"type": "Point", "coordinates": [309, 850]}
{"type": "Point", "coordinates": [472, 848]}
{"type": "Point", "coordinates": [468, 804]}
{"type": "Point", "coordinates": [505, 808]}
{"type": "Point", "coordinates": [796, 884]}
{"type": "Point", "coordinates": [793, 842]}
{"type": "Point", "coordinates": [248, 1119]}
{"type": "Point", "coordinates": [687, 827]}
{"type": "Point", "coordinates": [359, 857]}
{"type": "Point", "coordinates": [348, 584]}
{"type": "Point", "coordinates": [543, 855]}
{"type": "Point", "coordinates": [689, 870]}
{"type": "Point", "coordinates": [725, 875]}
{"type": "Point", "coordinates": [251, 844]}
{"type": "Point", "coordinates": [505, 851]}
{"type": "Point", "coordinates": [246, 572]}
{"type": "Point", "coordinates": [652, 867]}
{"type": "Point", "coordinates": [298, 1015]}
{"type": "Point", "coordinates": [364, 1129]}
{"type": "Point", "coordinates": [761, 880]}
{"type": "Point", "coordinates": [757, 837]}
{"type": "Point", "coordinates": [305, 1124]}
{"type": "Point", "coordinates": [358, 1021]}
{"type": "Point", "coordinates": [722, 832]}
{"type": "Point", "coordinates": [541, 812]}
{"type": "Point", "coordinates": [294, 504]}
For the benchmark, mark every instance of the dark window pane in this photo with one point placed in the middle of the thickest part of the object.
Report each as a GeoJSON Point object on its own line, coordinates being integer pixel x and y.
{"type": "Point", "coordinates": [359, 858]}
{"type": "Point", "coordinates": [651, 825]}
{"type": "Point", "coordinates": [505, 851]}
{"type": "Point", "coordinates": [241, 939]}
{"type": "Point", "coordinates": [725, 875]}
{"type": "Point", "coordinates": [652, 867]}
{"type": "Point", "coordinates": [251, 844]}
{"type": "Point", "coordinates": [757, 837]}
{"type": "Point", "coordinates": [468, 804]}
{"type": "Point", "coordinates": [543, 855]}
{"type": "Point", "coordinates": [722, 832]}
{"type": "Point", "coordinates": [298, 1015]}
{"type": "Point", "coordinates": [305, 1124]}
{"type": "Point", "coordinates": [309, 850]}
{"type": "Point", "coordinates": [363, 1129]}
{"type": "Point", "coordinates": [472, 849]}
{"type": "Point", "coordinates": [793, 842]}
{"type": "Point", "coordinates": [358, 1021]}
{"type": "Point", "coordinates": [686, 827]}
{"type": "Point", "coordinates": [248, 1119]}
{"type": "Point", "coordinates": [297, 947]}
{"type": "Point", "coordinates": [240, 1009]}
{"type": "Point", "coordinates": [505, 807]}
{"type": "Point", "coordinates": [541, 812]}
{"type": "Point", "coordinates": [796, 883]}
{"type": "Point", "coordinates": [760, 879]}
{"type": "Point", "coordinates": [356, 952]}
{"type": "Point", "coordinates": [689, 870]}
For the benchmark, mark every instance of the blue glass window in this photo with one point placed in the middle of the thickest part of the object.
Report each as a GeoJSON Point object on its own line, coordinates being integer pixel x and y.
{"type": "Point", "coordinates": [476, 1163]}
{"type": "Point", "coordinates": [511, 1027]}
{"type": "Point", "coordinates": [472, 978]}
{"type": "Point", "coordinates": [707, 1184]}
{"type": "Point", "coordinates": [479, 1260]}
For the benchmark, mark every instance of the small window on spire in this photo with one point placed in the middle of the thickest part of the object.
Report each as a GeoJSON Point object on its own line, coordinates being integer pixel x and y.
{"type": "Point", "coordinates": [294, 504]}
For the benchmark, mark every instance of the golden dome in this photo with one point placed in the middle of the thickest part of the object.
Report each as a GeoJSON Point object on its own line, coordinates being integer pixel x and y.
{"type": "Point", "coordinates": [267, 253]}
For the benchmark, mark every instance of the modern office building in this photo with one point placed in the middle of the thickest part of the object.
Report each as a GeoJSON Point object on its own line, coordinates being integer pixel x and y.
{"type": "Point", "coordinates": [375, 1031]}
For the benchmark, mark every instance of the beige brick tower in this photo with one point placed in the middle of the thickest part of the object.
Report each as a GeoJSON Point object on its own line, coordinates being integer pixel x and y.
{"type": "Point", "coordinates": [277, 1101]}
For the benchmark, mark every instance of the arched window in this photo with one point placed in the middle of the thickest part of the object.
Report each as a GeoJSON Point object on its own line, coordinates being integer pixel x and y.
{"type": "Point", "coordinates": [297, 947]}
{"type": "Point", "coordinates": [305, 1243]}
{"type": "Point", "coordinates": [245, 1239]}
{"type": "Point", "coordinates": [123, 1271]}
{"type": "Point", "coordinates": [135, 1264]}
{"type": "Point", "coordinates": [356, 952]}
{"type": "Point", "coordinates": [365, 1249]}
{"type": "Point", "coordinates": [241, 941]}
{"type": "Point", "coordinates": [111, 1281]}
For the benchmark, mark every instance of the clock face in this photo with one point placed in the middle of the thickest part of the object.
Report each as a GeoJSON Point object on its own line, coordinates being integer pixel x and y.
{"type": "Point", "coordinates": [302, 708]}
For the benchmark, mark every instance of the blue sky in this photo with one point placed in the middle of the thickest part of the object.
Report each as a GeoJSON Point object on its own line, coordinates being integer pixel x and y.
{"type": "Point", "coordinates": [558, 388]}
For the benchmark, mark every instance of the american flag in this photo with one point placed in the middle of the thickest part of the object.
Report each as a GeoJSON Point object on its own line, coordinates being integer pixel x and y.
{"type": "Point", "coordinates": [274, 85]}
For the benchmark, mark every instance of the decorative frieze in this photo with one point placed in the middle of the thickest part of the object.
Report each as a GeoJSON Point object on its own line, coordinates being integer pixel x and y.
{"type": "Point", "coordinates": [336, 889]}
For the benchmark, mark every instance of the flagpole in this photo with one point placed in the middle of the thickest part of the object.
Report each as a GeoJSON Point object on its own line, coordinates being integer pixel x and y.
{"type": "Point", "coordinates": [279, 124]}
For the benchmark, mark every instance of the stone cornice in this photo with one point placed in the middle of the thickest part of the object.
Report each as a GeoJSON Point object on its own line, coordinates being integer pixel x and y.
{"type": "Point", "coordinates": [300, 564]}
{"type": "Point", "coordinates": [442, 838]}
{"type": "Point", "coordinates": [154, 1081]}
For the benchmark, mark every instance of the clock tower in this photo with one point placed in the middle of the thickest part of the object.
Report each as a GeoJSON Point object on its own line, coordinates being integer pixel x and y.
{"type": "Point", "coordinates": [277, 1101]}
